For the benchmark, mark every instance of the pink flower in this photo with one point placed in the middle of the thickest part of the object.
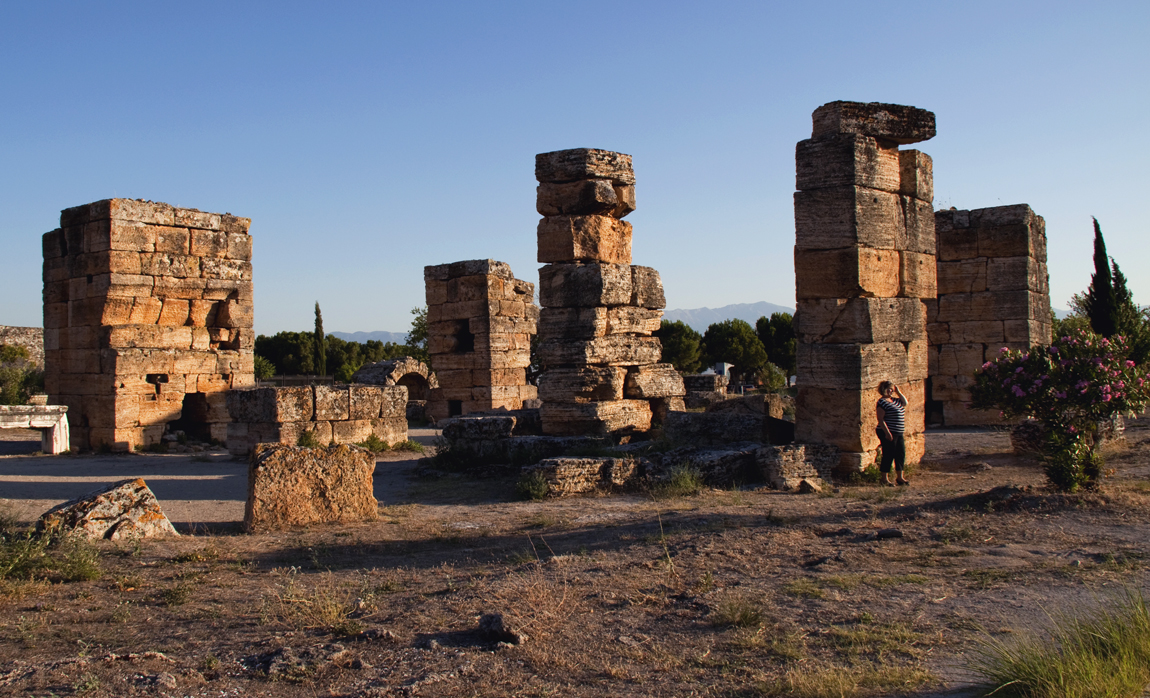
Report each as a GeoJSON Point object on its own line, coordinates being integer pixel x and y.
{"type": "Point", "coordinates": [1018, 392]}
{"type": "Point", "coordinates": [1129, 363]}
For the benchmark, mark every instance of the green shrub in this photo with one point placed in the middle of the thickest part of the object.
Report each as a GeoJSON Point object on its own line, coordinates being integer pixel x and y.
{"type": "Point", "coordinates": [308, 439]}
{"type": "Point", "coordinates": [28, 554]}
{"type": "Point", "coordinates": [19, 378]}
{"type": "Point", "coordinates": [532, 486]}
{"type": "Point", "coordinates": [408, 445]}
{"type": "Point", "coordinates": [681, 481]}
{"type": "Point", "coordinates": [374, 444]}
{"type": "Point", "coordinates": [264, 368]}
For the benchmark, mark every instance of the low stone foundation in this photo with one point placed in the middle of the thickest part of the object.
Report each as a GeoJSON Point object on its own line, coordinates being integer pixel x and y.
{"type": "Point", "coordinates": [785, 467]}
{"type": "Point", "coordinates": [344, 414]}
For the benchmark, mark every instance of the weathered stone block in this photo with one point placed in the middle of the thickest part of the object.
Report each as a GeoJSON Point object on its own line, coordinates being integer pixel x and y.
{"type": "Point", "coordinates": [846, 273]}
{"type": "Point", "coordinates": [584, 163]}
{"type": "Point", "coordinates": [705, 383]}
{"type": "Point", "coordinates": [653, 381]}
{"type": "Point", "coordinates": [860, 320]}
{"type": "Point", "coordinates": [613, 350]}
{"type": "Point", "coordinates": [351, 431]}
{"type": "Point", "coordinates": [125, 510]}
{"type": "Point", "coordinates": [841, 417]}
{"type": "Point", "coordinates": [614, 417]}
{"type": "Point", "coordinates": [647, 288]}
{"type": "Point", "coordinates": [626, 319]}
{"type": "Point", "coordinates": [391, 430]}
{"type": "Point", "coordinates": [785, 467]}
{"type": "Point", "coordinates": [713, 427]}
{"type": "Point", "coordinates": [289, 486]}
{"type": "Point", "coordinates": [584, 239]}
{"type": "Point", "coordinates": [1030, 332]}
{"type": "Point", "coordinates": [846, 160]}
{"type": "Point", "coordinates": [843, 217]}
{"type": "Point", "coordinates": [1016, 274]}
{"type": "Point", "coordinates": [916, 171]}
{"type": "Point", "coordinates": [572, 476]}
{"type": "Point", "coordinates": [965, 276]}
{"type": "Point", "coordinates": [918, 233]}
{"type": "Point", "coordinates": [961, 359]}
{"type": "Point", "coordinates": [582, 384]}
{"type": "Point", "coordinates": [573, 323]}
{"type": "Point", "coordinates": [890, 122]}
{"type": "Point", "coordinates": [917, 275]}
{"type": "Point", "coordinates": [264, 405]}
{"type": "Point", "coordinates": [585, 197]}
{"type": "Point", "coordinates": [331, 403]}
{"type": "Point", "coordinates": [851, 366]}
{"type": "Point", "coordinates": [584, 285]}
{"type": "Point", "coordinates": [662, 406]}
{"type": "Point", "coordinates": [365, 401]}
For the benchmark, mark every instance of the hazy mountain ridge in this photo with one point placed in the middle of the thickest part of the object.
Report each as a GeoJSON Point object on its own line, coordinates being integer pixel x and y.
{"type": "Point", "coordinates": [699, 319]}
{"type": "Point", "coordinates": [361, 337]}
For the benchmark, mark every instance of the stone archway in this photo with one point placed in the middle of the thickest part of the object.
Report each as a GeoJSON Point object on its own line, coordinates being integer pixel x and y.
{"type": "Point", "coordinates": [406, 371]}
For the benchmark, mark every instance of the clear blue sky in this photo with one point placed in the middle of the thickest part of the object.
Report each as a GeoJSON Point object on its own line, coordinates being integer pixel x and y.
{"type": "Point", "coordinates": [366, 140]}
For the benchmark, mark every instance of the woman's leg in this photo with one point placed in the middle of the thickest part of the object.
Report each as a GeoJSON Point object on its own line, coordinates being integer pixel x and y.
{"type": "Point", "coordinates": [888, 456]}
{"type": "Point", "coordinates": [899, 453]}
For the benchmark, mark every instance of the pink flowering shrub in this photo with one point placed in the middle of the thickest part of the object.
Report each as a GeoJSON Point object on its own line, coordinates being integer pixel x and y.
{"type": "Point", "coordinates": [1072, 386]}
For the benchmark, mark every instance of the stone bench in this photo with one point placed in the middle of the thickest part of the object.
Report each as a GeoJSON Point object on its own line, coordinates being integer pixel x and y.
{"type": "Point", "coordinates": [51, 420]}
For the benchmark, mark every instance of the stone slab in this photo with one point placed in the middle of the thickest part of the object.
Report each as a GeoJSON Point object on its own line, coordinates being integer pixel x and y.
{"type": "Point", "coordinates": [291, 487]}
{"type": "Point", "coordinates": [891, 122]}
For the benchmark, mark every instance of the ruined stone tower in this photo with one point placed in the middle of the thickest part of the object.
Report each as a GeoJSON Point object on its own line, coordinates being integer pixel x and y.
{"type": "Point", "coordinates": [993, 292]}
{"type": "Point", "coordinates": [480, 320]}
{"type": "Point", "coordinates": [147, 320]}
{"type": "Point", "coordinates": [600, 363]}
{"type": "Point", "coordinates": [864, 262]}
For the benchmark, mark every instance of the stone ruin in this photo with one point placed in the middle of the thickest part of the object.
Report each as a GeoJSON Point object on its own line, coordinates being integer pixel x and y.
{"type": "Point", "coordinates": [864, 263]}
{"type": "Point", "coordinates": [704, 390]}
{"type": "Point", "coordinates": [993, 292]}
{"type": "Point", "coordinates": [411, 373]}
{"type": "Point", "coordinates": [600, 365]}
{"type": "Point", "coordinates": [480, 320]}
{"type": "Point", "coordinates": [147, 320]}
{"type": "Point", "coordinates": [341, 414]}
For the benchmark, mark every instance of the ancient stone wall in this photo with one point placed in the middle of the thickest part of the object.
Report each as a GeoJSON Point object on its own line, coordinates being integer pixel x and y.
{"type": "Point", "coordinates": [31, 338]}
{"type": "Point", "coordinates": [480, 320]}
{"type": "Point", "coordinates": [600, 363]}
{"type": "Point", "coordinates": [342, 414]}
{"type": "Point", "coordinates": [864, 262]}
{"type": "Point", "coordinates": [993, 292]}
{"type": "Point", "coordinates": [147, 320]}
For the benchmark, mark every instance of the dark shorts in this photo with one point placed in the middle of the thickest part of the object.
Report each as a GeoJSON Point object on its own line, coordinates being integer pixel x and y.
{"type": "Point", "coordinates": [893, 451]}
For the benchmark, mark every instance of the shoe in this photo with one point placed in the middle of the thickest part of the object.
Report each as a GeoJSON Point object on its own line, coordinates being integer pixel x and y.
{"type": "Point", "coordinates": [902, 483]}
{"type": "Point", "coordinates": [886, 483]}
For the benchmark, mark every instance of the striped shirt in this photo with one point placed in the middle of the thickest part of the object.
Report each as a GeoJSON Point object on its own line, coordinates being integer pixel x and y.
{"type": "Point", "coordinates": [894, 414]}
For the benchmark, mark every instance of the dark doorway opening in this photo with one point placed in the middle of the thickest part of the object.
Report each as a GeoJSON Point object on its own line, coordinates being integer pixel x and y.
{"type": "Point", "coordinates": [193, 419]}
{"type": "Point", "coordinates": [454, 408]}
{"type": "Point", "coordinates": [416, 385]}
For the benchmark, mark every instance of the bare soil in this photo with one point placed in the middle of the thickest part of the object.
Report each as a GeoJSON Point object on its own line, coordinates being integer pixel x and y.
{"type": "Point", "coordinates": [728, 593]}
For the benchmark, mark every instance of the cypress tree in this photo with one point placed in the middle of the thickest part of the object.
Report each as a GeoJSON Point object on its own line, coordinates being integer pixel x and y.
{"type": "Point", "coordinates": [1101, 303]}
{"type": "Point", "coordinates": [320, 349]}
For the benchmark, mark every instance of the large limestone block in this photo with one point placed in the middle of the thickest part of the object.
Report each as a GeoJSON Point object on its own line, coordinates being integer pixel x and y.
{"type": "Point", "coordinates": [480, 287]}
{"type": "Point", "coordinates": [470, 267]}
{"type": "Point", "coordinates": [977, 332]}
{"type": "Point", "coordinates": [1016, 274]}
{"type": "Point", "coordinates": [963, 276]}
{"type": "Point", "coordinates": [1009, 231]}
{"type": "Point", "coordinates": [662, 407]}
{"type": "Point", "coordinates": [951, 388]}
{"type": "Point", "coordinates": [571, 476]}
{"type": "Point", "coordinates": [847, 273]}
{"type": "Point", "coordinates": [917, 275]}
{"type": "Point", "coordinates": [846, 216]}
{"type": "Point", "coordinates": [647, 288]}
{"type": "Point", "coordinates": [860, 320]}
{"type": "Point", "coordinates": [586, 197]}
{"type": "Point", "coordinates": [954, 244]}
{"type": "Point", "coordinates": [365, 401]}
{"type": "Point", "coordinates": [1029, 332]}
{"type": "Point", "coordinates": [961, 359]}
{"type": "Point", "coordinates": [290, 486]}
{"type": "Point", "coordinates": [713, 427]}
{"type": "Point", "coordinates": [390, 430]}
{"type": "Point", "coordinates": [653, 381]}
{"type": "Point", "coordinates": [613, 417]}
{"type": "Point", "coordinates": [841, 417]}
{"type": "Point", "coordinates": [124, 510]}
{"type": "Point", "coordinates": [584, 239]}
{"type": "Point", "coordinates": [917, 360]}
{"type": "Point", "coordinates": [890, 122]}
{"type": "Point", "coordinates": [916, 175]}
{"type": "Point", "coordinates": [847, 159]}
{"type": "Point", "coordinates": [584, 285]}
{"type": "Point", "coordinates": [584, 163]}
{"type": "Point", "coordinates": [573, 323]}
{"type": "Point", "coordinates": [582, 384]}
{"type": "Point", "coordinates": [851, 366]}
{"type": "Point", "coordinates": [394, 403]}
{"type": "Point", "coordinates": [997, 305]}
{"type": "Point", "coordinates": [509, 359]}
{"type": "Point", "coordinates": [501, 325]}
{"type": "Point", "coordinates": [613, 350]}
{"type": "Point", "coordinates": [352, 431]}
{"type": "Point", "coordinates": [705, 383]}
{"type": "Point", "coordinates": [918, 233]}
{"type": "Point", "coordinates": [263, 405]}
{"type": "Point", "coordinates": [627, 319]}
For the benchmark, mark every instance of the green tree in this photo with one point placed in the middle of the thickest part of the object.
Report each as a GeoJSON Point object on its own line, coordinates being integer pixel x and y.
{"type": "Point", "coordinates": [292, 353]}
{"type": "Point", "coordinates": [1100, 303]}
{"type": "Point", "coordinates": [320, 344]}
{"type": "Point", "coordinates": [681, 345]}
{"type": "Point", "coordinates": [264, 368]}
{"type": "Point", "coordinates": [777, 333]}
{"type": "Point", "coordinates": [734, 342]}
{"type": "Point", "coordinates": [19, 377]}
{"type": "Point", "coordinates": [417, 336]}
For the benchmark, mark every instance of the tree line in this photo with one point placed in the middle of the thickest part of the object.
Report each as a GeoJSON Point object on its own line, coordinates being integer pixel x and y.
{"type": "Point", "coordinates": [765, 352]}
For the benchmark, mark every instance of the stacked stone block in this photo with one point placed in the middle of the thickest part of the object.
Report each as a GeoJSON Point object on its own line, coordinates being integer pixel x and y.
{"type": "Point", "coordinates": [601, 370]}
{"type": "Point", "coordinates": [480, 320]}
{"type": "Point", "coordinates": [864, 263]}
{"type": "Point", "coordinates": [342, 414]}
{"type": "Point", "coordinates": [993, 292]}
{"type": "Point", "coordinates": [147, 320]}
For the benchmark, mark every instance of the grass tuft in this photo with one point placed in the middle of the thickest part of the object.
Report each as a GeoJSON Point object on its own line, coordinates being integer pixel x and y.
{"type": "Point", "coordinates": [831, 681]}
{"type": "Point", "coordinates": [681, 481]}
{"type": "Point", "coordinates": [737, 612]}
{"type": "Point", "coordinates": [1105, 652]}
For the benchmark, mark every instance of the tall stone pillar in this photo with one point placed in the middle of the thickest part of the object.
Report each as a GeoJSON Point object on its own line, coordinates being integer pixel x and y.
{"type": "Point", "coordinates": [993, 292]}
{"type": "Point", "coordinates": [147, 321]}
{"type": "Point", "coordinates": [864, 262]}
{"type": "Point", "coordinates": [600, 363]}
{"type": "Point", "coordinates": [480, 320]}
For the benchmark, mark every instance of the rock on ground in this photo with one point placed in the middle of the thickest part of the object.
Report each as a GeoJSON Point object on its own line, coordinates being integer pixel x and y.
{"type": "Point", "coordinates": [126, 509]}
{"type": "Point", "coordinates": [294, 486]}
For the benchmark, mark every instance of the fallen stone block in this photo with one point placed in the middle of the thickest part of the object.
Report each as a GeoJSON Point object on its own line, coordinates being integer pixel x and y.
{"type": "Point", "coordinates": [572, 476]}
{"type": "Point", "coordinates": [291, 486]}
{"type": "Point", "coordinates": [124, 510]}
{"type": "Point", "coordinates": [662, 406]}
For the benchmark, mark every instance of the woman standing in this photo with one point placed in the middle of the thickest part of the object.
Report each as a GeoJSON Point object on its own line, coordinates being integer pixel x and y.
{"type": "Point", "coordinates": [891, 413]}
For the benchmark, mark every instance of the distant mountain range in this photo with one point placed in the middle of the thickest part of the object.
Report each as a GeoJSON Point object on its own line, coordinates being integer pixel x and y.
{"type": "Point", "coordinates": [699, 319]}
{"type": "Point", "coordinates": [361, 337]}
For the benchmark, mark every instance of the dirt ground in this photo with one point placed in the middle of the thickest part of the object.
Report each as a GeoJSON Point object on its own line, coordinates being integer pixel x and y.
{"type": "Point", "coordinates": [859, 591]}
